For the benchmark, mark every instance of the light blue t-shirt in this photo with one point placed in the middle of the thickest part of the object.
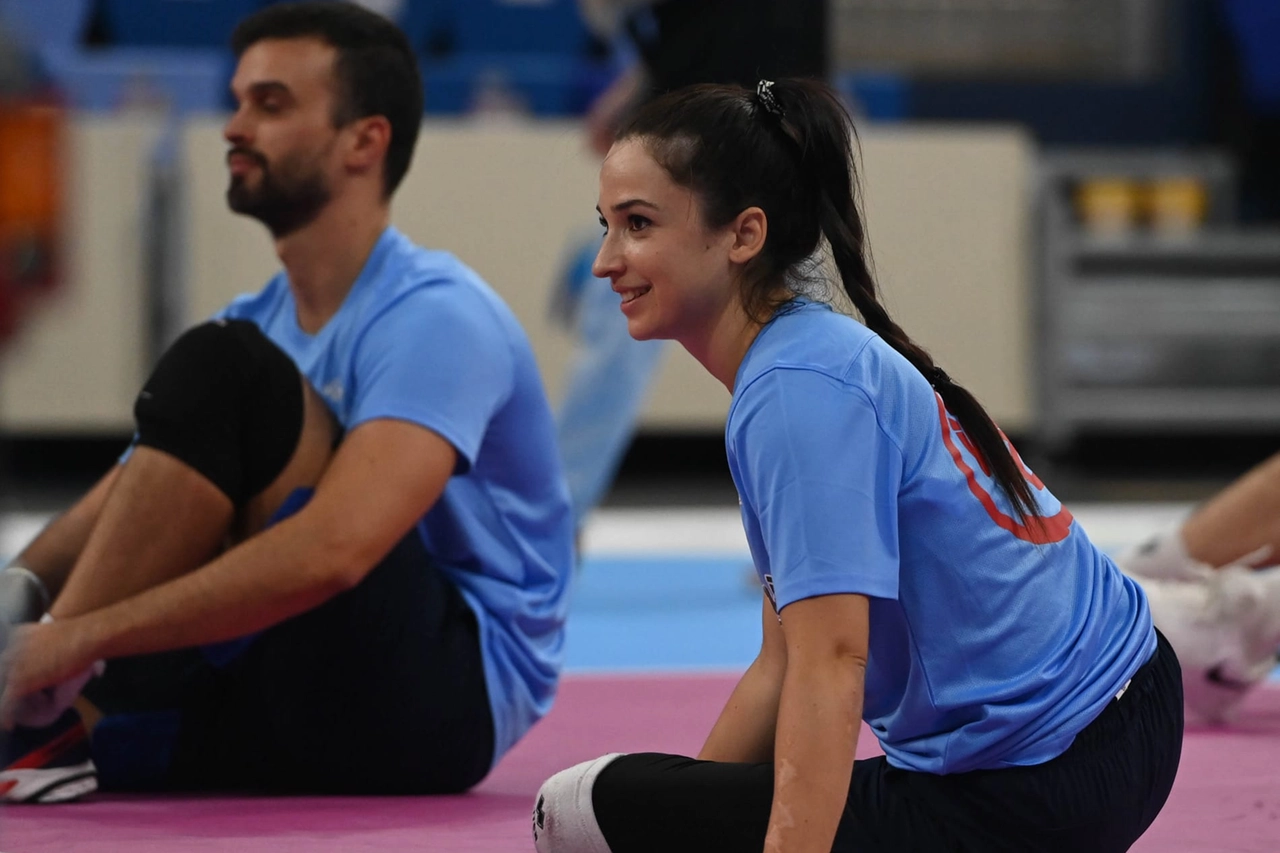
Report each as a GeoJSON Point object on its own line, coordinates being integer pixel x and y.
{"type": "Point", "coordinates": [992, 643]}
{"type": "Point", "coordinates": [421, 338]}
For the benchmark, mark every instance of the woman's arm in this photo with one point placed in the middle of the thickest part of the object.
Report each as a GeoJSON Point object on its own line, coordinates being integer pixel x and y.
{"type": "Point", "coordinates": [818, 720]}
{"type": "Point", "coordinates": [745, 729]}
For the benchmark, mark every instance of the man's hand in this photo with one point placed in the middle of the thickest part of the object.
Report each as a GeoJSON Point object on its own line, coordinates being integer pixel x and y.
{"type": "Point", "coordinates": [43, 670]}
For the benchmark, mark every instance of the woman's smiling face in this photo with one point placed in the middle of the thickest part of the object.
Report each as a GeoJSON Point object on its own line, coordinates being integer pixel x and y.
{"type": "Point", "coordinates": [673, 272]}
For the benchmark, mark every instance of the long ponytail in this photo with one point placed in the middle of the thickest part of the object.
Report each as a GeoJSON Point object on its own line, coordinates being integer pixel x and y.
{"type": "Point", "coordinates": [788, 149]}
{"type": "Point", "coordinates": [819, 125]}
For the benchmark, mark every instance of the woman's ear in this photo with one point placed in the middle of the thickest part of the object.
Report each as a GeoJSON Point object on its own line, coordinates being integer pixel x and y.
{"type": "Point", "coordinates": [749, 232]}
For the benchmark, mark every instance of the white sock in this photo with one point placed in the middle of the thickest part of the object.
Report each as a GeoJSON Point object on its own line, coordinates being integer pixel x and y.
{"type": "Point", "coordinates": [564, 820]}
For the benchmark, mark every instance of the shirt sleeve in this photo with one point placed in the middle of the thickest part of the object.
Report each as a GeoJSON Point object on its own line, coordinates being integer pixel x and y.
{"type": "Point", "coordinates": [823, 479]}
{"type": "Point", "coordinates": [437, 360]}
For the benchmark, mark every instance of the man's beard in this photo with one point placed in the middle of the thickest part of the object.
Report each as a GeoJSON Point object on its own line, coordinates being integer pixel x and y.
{"type": "Point", "coordinates": [283, 204]}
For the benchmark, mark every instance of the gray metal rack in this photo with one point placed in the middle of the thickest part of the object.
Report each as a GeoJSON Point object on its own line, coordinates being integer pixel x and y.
{"type": "Point", "coordinates": [1043, 39]}
{"type": "Point", "coordinates": [1141, 331]}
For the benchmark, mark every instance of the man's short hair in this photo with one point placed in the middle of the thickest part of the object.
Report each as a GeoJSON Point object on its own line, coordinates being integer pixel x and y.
{"type": "Point", "coordinates": [376, 70]}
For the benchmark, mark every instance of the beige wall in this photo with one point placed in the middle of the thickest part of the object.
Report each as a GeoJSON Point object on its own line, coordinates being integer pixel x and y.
{"type": "Point", "coordinates": [505, 198]}
{"type": "Point", "coordinates": [78, 362]}
{"type": "Point", "coordinates": [947, 210]}
{"type": "Point", "coordinates": [948, 213]}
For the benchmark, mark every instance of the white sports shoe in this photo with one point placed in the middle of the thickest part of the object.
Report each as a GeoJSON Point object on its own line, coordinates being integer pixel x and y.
{"type": "Point", "coordinates": [1225, 627]}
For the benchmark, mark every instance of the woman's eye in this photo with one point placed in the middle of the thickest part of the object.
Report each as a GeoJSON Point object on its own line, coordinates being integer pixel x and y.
{"type": "Point", "coordinates": [604, 225]}
{"type": "Point", "coordinates": [637, 223]}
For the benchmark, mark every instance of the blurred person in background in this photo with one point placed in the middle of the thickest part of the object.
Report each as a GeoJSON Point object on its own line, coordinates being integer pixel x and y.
{"type": "Point", "coordinates": [335, 558]}
{"type": "Point", "coordinates": [1214, 588]}
{"type": "Point", "coordinates": [675, 43]}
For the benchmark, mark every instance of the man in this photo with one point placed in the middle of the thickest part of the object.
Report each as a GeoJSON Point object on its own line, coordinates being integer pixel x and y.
{"type": "Point", "coordinates": [336, 556]}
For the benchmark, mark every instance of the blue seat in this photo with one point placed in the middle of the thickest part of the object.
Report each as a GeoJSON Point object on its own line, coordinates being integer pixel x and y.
{"type": "Point", "coordinates": [427, 23]}
{"type": "Point", "coordinates": [540, 84]}
{"type": "Point", "coordinates": [877, 96]}
{"type": "Point", "coordinates": [1256, 25]}
{"type": "Point", "coordinates": [170, 80]}
{"type": "Point", "coordinates": [535, 26]}
{"type": "Point", "coordinates": [174, 23]}
{"type": "Point", "coordinates": [46, 24]}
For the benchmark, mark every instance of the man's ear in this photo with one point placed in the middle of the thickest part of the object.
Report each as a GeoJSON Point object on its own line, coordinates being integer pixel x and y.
{"type": "Point", "coordinates": [371, 136]}
{"type": "Point", "coordinates": [749, 232]}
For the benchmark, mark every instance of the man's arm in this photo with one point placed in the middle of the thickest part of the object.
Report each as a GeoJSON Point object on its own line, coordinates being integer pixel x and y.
{"type": "Point", "coordinates": [52, 554]}
{"type": "Point", "coordinates": [745, 729]}
{"type": "Point", "coordinates": [384, 476]}
{"type": "Point", "coordinates": [818, 720]}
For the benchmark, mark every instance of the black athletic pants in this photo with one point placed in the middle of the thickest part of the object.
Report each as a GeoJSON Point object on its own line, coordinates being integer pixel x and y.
{"type": "Point", "coordinates": [380, 690]}
{"type": "Point", "coordinates": [1098, 796]}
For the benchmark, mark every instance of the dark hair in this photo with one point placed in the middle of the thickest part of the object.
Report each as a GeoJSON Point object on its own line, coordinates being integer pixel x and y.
{"type": "Point", "coordinates": [788, 149]}
{"type": "Point", "coordinates": [376, 70]}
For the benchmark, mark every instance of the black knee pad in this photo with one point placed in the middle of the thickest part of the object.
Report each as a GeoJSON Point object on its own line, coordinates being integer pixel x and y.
{"type": "Point", "coordinates": [227, 402]}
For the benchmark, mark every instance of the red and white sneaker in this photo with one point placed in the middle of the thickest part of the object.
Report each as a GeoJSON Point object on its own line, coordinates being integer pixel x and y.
{"type": "Point", "coordinates": [48, 765]}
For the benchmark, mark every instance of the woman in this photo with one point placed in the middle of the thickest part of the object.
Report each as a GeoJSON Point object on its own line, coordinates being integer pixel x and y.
{"type": "Point", "coordinates": [917, 575]}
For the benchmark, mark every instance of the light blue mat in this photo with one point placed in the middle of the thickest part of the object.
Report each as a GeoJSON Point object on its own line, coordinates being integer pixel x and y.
{"type": "Point", "coordinates": [666, 614]}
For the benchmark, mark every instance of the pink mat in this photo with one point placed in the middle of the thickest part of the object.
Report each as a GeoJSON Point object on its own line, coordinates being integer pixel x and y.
{"type": "Point", "coordinates": [1227, 797]}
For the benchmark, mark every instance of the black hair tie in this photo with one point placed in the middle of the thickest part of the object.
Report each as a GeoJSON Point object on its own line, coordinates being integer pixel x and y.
{"type": "Point", "coordinates": [938, 378]}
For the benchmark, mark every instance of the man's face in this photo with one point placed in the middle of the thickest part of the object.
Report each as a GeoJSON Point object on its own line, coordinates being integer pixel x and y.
{"type": "Point", "coordinates": [282, 157]}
